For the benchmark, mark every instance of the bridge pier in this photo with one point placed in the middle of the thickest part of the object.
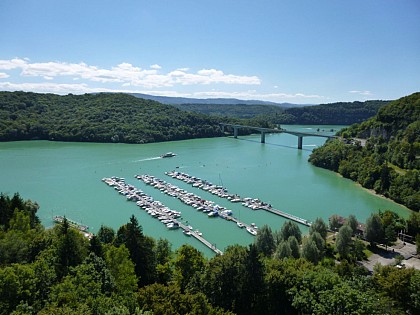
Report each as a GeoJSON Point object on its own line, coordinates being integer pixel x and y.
{"type": "Point", "coordinates": [262, 137]}
{"type": "Point", "coordinates": [235, 132]}
{"type": "Point", "coordinates": [300, 142]}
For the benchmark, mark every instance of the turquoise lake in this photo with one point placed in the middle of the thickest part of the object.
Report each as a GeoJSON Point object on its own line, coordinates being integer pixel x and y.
{"type": "Point", "coordinates": [65, 178]}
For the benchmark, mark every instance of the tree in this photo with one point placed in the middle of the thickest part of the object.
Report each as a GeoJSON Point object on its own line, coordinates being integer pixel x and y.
{"type": "Point", "coordinates": [288, 229]}
{"type": "Point", "coordinates": [95, 246]}
{"type": "Point", "coordinates": [310, 251]}
{"type": "Point", "coordinates": [188, 263]}
{"type": "Point", "coordinates": [141, 250]}
{"type": "Point", "coordinates": [122, 269]}
{"type": "Point", "coordinates": [414, 292]}
{"type": "Point", "coordinates": [163, 261]}
{"type": "Point", "coordinates": [344, 298]}
{"type": "Point", "coordinates": [84, 284]}
{"type": "Point", "coordinates": [343, 241]}
{"type": "Point", "coordinates": [394, 282]}
{"type": "Point", "coordinates": [390, 236]}
{"type": "Point", "coordinates": [334, 222]}
{"type": "Point", "coordinates": [71, 248]}
{"type": "Point", "coordinates": [160, 299]}
{"type": "Point", "coordinates": [283, 250]}
{"type": "Point", "coordinates": [221, 272]}
{"type": "Point", "coordinates": [320, 227]}
{"type": "Point", "coordinates": [374, 232]}
{"type": "Point", "coordinates": [413, 224]}
{"type": "Point", "coordinates": [352, 223]}
{"type": "Point", "coordinates": [17, 283]}
{"type": "Point", "coordinates": [319, 242]}
{"type": "Point", "coordinates": [294, 246]}
{"type": "Point", "coordinates": [252, 301]}
{"type": "Point", "coordinates": [264, 241]}
{"type": "Point", "coordinates": [106, 234]}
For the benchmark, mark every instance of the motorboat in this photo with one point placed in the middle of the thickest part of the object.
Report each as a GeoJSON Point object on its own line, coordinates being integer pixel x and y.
{"type": "Point", "coordinates": [251, 230]}
{"type": "Point", "coordinates": [168, 154]}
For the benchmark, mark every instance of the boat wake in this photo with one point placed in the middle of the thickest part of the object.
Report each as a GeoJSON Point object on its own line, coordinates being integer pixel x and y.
{"type": "Point", "coordinates": [149, 159]}
{"type": "Point", "coordinates": [310, 145]}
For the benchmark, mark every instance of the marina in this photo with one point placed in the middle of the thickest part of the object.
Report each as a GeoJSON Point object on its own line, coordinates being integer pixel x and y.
{"type": "Point", "coordinates": [157, 209]}
{"type": "Point", "coordinates": [65, 179]}
{"type": "Point", "coordinates": [206, 206]}
{"type": "Point", "coordinates": [222, 192]}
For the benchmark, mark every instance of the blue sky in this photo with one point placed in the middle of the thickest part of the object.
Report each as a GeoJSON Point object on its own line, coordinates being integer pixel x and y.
{"type": "Point", "coordinates": [298, 51]}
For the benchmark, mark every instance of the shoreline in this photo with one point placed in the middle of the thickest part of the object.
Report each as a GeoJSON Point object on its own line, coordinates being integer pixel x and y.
{"type": "Point", "coordinates": [373, 192]}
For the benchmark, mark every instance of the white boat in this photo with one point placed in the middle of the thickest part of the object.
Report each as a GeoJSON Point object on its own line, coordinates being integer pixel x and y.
{"type": "Point", "coordinates": [168, 154]}
{"type": "Point", "coordinates": [187, 233]}
{"type": "Point", "coordinates": [240, 225]}
{"type": "Point", "coordinates": [172, 226]}
{"type": "Point", "coordinates": [251, 231]}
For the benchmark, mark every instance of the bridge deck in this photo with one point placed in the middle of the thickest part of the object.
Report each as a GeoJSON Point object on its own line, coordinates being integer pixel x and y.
{"type": "Point", "coordinates": [272, 130]}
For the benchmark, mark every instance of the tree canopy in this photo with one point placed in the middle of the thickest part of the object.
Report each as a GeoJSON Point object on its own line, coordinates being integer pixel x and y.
{"type": "Point", "coordinates": [135, 274]}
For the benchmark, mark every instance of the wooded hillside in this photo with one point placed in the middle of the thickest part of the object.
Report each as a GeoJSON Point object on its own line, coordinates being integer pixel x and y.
{"type": "Point", "coordinates": [325, 114]}
{"type": "Point", "coordinates": [97, 118]}
{"type": "Point", "coordinates": [389, 163]}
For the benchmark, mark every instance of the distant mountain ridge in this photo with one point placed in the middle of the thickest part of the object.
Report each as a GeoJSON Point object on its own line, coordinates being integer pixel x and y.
{"type": "Point", "coordinates": [222, 101]}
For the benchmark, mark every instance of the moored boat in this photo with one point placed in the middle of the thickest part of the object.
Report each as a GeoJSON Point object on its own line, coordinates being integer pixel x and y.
{"type": "Point", "coordinates": [251, 230]}
{"type": "Point", "coordinates": [240, 225]}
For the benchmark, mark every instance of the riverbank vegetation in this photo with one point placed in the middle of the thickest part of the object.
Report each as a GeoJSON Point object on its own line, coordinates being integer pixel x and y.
{"type": "Point", "coordinates": [59, 271]}
{"type": "Point", "coordinates": [389, 159]}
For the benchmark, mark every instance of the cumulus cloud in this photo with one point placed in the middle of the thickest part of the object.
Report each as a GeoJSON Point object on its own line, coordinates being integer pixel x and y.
{"type": "Point", "coordinates": [125, 74]}
{"type": "Point", "coordinates": [77, 78]}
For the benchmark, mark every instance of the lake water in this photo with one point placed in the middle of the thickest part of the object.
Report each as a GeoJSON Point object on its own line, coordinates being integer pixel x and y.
{"type": "Point", "coordinates": [65, 178]}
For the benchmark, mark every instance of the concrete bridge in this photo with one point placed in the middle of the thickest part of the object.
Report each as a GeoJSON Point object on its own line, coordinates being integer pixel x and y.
{"type": "Point", "coordinates": [263, 131]}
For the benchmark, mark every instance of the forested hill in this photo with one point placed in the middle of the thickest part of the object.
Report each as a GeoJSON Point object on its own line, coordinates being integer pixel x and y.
{"type": "Point", "coordinates": [342, 113]}
{"type": "Point", "coordinates": [234, 110]}
{"type": "Point", "coordinates": [389, 163]}
{"type": "Point", "coordinates": [326, 114]}
{"type": "Point", "coordinates": [97, 118]}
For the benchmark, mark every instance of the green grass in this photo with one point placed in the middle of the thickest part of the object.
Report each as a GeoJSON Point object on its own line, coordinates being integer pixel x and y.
{"type": "Point", "coordinates": [397, 169]}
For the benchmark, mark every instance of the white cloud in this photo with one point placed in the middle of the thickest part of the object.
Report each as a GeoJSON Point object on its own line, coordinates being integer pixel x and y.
{"type": "Point", "coordinates": [365, 93]}
{"type": "Point", "coordinates": [125, 73]}
{"type": "Point", "coordinates": [78, 78]}
{"type": "Point", "coordinates": [12, 64]}
{"type": "Point", "coordinates": [47, 88]}
{"type": "Point", "coordinates": [251, 94]}
{"type": "Point", "coordinates": [59, 88]}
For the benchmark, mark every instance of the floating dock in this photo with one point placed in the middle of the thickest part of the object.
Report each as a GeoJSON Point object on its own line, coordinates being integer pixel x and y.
{"type": "Point", "coordinates": [206, 206]}
{"type": "Point", "coordinates": [151, 206]}
{"type": "Point", "coordinates": [254, 204]}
